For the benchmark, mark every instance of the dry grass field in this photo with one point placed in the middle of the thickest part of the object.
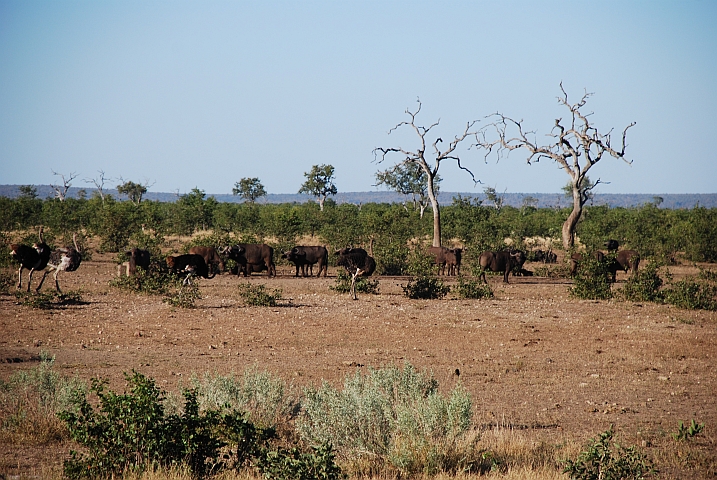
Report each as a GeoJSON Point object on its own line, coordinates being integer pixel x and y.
{"type": "Point", "coordinates": [539, 365]}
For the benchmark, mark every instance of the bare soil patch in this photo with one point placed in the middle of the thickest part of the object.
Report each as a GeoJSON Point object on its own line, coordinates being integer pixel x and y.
{"type": "Point", "coordinates": [532, 358]}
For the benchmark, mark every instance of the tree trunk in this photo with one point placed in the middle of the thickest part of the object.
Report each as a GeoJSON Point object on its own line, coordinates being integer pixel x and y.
{"type": "Point", "coordinates": [321, 203]}
{"type": "Point", "coordinates": [572, 221]}
{"type": "Point", "coordinates": [436, 214]}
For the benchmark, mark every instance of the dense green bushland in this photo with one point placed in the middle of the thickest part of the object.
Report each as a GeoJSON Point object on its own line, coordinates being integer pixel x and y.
{"type": "Point", "coordinates": [387, 228]}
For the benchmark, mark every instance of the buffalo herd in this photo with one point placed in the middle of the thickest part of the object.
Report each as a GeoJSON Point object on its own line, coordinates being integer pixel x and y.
{"type": "Point", "coordinates": [206, 262]}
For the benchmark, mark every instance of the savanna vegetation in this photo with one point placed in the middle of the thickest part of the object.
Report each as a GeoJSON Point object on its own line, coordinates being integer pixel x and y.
{"type": "Point", "coordinates": [391, 422]}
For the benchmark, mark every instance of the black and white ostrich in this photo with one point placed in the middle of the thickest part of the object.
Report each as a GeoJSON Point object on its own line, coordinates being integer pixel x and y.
{"type": "Point", "coordinates": [357, 262]}
{"type": "Point", "coordinates": [33, 258]}
{"type": "Point", "coordinates": [66, 259]}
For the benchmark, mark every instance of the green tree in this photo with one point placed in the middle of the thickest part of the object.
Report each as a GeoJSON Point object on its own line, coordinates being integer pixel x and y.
{"type": "Point", "coordinates": [28, 191]}
{"type": "Point", "coordinates": [319, 183]}
{"type": "Point", "coordinates": [249, 189]}
{"type": "Point", "coordinates": [409, 180]}
{"type": "Point", "coordinates": [196, 212]}
{"type": "Point", "coordinates": [134, 191]}
{"type": "Point", "coordinates": [585, 188]}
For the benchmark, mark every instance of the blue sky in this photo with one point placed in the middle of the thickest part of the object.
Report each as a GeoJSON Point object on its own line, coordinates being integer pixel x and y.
{"type": "Point", "coordinates": [200, 94]}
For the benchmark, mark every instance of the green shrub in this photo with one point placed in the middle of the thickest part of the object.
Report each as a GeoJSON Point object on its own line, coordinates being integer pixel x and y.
{"type": "Point", "coordinates": [552, 271]}
{"type": "Point", "coordinates": [425, 288]}
{"type": "Point", "coordinates": [470, 288]}
{"type": "Point", "coordinates": [293, 464]}
{"type": "Point", "coordinates": [392, 259]}
{"type": "Point", "coordinates": [643, 286]}
{"type": "Point", "coordinates": [156, 280]}
{"type": "Point", "coordinates": [604, 460]}
{"type": "Point", "coordinates": [420, 264]}
{"type": "Point", "coordinates": [591, 281]}
{"type": "Point", "coordinates": [185, 296]}
{"type": "Point", "coordinates": [258, 295]}
{"type": "Point", "coordinates": [389, 417]}
{"type": "Point", "coordinates": [363, 284]}
{"type": "Point", "coordinates": [130, 433]}
{"type": "Point", "coordinates": [692, 294]}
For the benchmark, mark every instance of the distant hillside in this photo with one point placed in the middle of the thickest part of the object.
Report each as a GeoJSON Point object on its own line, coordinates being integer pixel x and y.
{"type": "Point", "coordinates": [681, 200]}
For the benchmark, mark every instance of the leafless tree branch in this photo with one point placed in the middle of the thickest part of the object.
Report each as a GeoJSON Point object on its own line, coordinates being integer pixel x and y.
{"type": "Point", "coordinates": [61, 191]}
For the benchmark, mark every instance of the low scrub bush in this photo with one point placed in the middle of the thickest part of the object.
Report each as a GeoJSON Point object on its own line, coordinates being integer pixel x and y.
{"type": "Point", "coordinates": [258, 295]}
{"type": "Point", "coordinates": [295, 464]}
{"type": "Point", "coordinates": [603, 459]}
{"type": "Point", "coordinates": [392, 259]}
{"type": "Point", "coordinates": [424, 284]}
{"type": "Point", "coordinates": [552, 271]}
{"type": "Point", "coordinates": [263, 397]}
{"type": "Point", "coordinates": [692, 294]}
{"type": "Point", "coordinates": [48, 300]}
{"type": "Point", "coordinates": [425, 288]}
{"type": "Point", "coordinates": [29, 401]}
{"type": "Point", "coordinates": [156, 280]}
{"type": "Point", "coordinates": [185, 296]}
{"type": "Point", "coordinates": [591, 281]}
{"type": "Point", "coordinates": [363, 284]}
{"type": "Point", "coordinates": [390, 418]}
{"type": "Point", "coordinates": [471, 288]}
{"type": "Point", "coordinates": [643, 286]}
{"type": "Point", "coordinates": [130, 432]}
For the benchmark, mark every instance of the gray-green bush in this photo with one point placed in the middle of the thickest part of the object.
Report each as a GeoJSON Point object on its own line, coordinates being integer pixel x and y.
{"type": "Point", "coordinates": [263, 396]}
{"type": "Point", "coordinates": [30, 399]}
{"type": "Point", "coordinates": [390, 417]}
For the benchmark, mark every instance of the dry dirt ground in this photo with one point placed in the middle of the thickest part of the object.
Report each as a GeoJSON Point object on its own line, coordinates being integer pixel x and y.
{"type": "Point", "coordinates": [532, 358]}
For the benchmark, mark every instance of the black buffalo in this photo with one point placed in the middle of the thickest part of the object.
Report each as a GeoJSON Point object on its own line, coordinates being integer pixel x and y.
{"type": "Point", "coordinates": [252, 257]}
{"type": "Point", "coordinates": [213, 260]}
{"type": "Point", "coordinates": [303, 256]}
{"type": "Point", "coordinates": [189, 265]}
{"type": "Point", "coordinates": [503, 261]}
{"type": "Point", "coordinates": [625, 260]}
{"type": "Point", "coordinates": [450, 257]}
{"type": "Point", "coordinates": [136, 258]}
{"type": "Point", "coordinates": [542, 256]}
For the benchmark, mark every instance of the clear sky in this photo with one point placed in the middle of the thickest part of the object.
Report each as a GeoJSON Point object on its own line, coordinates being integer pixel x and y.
{"type": "Point", "coordinates": [185, 94]}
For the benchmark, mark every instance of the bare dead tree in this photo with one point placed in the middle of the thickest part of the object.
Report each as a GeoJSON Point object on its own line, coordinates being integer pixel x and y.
{"type": "Point", "coordinates": [61, 191]}
{"type": "Point", "coordinates": [418, 158]}
{"type": "Point", "coordinates": [99, 183]}
{"type": "Point", "coordinates": [575, 146]}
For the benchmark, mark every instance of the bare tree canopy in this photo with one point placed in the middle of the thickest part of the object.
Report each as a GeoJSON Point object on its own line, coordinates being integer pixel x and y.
{"type": "Point", "coordinates": [99, 183]}
{"type": "Point", "coordinates": [319, 183]}
{"type": "Point", "coordinates": [418, 158]}
{"type": "Point", "coordinates": [61, 190]}
{"type": "Point", "coordinates": [577, 145]}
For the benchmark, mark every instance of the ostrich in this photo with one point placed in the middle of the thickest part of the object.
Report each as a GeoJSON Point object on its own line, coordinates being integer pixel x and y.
{"type": "Point", "coordinates": [31, 258]}
{"type": "Point", "coordinates": [357, 262]}
{"type": "Point", "coordinates": [66, 259]}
